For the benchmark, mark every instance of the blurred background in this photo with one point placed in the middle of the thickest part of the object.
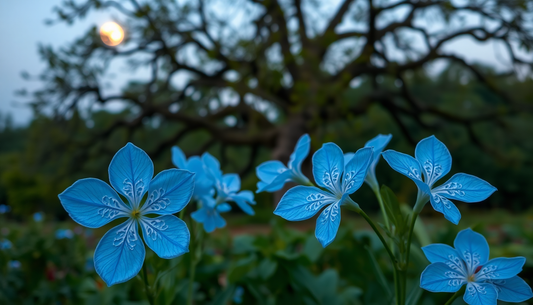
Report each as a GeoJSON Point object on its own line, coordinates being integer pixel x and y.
{"type": "Point", "coordinates": [244, 79]}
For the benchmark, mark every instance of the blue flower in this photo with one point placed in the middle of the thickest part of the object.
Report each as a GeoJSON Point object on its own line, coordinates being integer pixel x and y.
{"type": "Point", "coordinates": [486, 280]}
{"type": "Point", "coordinates": [434, 158]}
{"type": "Point", "coordinates": [38, 217]}
{"type": "Point", "coordinates": [237, 295]}
{"type": "Point", "coordinates": [339, 181]}
{"type": "Point", "coordinates": [64, 234]}
{"type": "Point", "coordinates": [93, 203]}
{"type": "Point", "coordinates": [209, 213]}
{"type": "Point", "coordinates": [273, 174]}
{"type": "Point", "coordinates": [5, 244]}
{"type": "Point", "coordinates": [378, 143]}
{"type": "Point", "coordinates": [228, 186]}
{"type": "Point", "coordinates": [14, 265]}
{"type": "Point", "coordinates": [203, 184]}
{"type": "Point", "coordinates": [4, 209]}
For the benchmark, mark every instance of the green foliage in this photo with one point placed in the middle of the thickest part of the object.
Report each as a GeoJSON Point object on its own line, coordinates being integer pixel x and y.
{"type": "Point", "coordinates": [283, 266]}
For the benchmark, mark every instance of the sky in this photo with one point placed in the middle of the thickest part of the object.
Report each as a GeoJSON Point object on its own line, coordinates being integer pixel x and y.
{"type": "Point", "coordinates": [22, 29]}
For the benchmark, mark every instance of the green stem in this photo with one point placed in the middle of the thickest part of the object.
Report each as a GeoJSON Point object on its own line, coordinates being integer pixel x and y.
{"type": "Point", "coordinates": [147, 287]}
{"type": "Point", "coordinates": [455, 296]}
{"type": "Point", "coordinates": [397, 291]}
{"type": "Point", "coordinates": [407, 256]}
{"type": "Point", "coordinates": [382, 207]}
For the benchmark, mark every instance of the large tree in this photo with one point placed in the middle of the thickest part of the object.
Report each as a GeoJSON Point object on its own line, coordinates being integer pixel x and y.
{"type": "Point", "coordinates": [260, 73]}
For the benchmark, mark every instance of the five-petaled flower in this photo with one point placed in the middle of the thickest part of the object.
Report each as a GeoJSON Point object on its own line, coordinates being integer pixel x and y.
{"type": "Point", "coordinates": [433, 161]}
{"type": "Point", "coordinates": [273, 174]}
{"type": "Point", "coordinates": [486, 280]}
{"type": "Point", "coordinates": [339, 181]}
{"type": "Point", "coordinates": [378, 143]}
{"type": "Point", "coordinates": [91, 202]}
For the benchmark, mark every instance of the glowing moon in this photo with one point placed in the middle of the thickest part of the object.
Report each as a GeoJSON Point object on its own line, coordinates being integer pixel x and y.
{"type": "Point", "coordinates": [111, 34]}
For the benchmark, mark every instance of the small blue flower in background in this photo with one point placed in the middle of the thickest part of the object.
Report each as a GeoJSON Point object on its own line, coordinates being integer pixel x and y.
{"type": "Point", "coordinates": [486, 280]}
{"type": "Point", "coordinates": [93, 203]}
{"type": "Point", "coordinates": [339, 181]}
{"type": "Point", "coordinates": [273, 174]}
{"type": "Point", "coordinates": [378, 143]}
{"type": "Point", "coordinates": [4, 209]}
{"type": "Point", "coordinates": [14, 265]}
{"type": "Point", "coordinates": [433, 161]}
{"type": "Point", "coordinates": [203, 183]}
{"type": "Point", "coordinates": [64, 234]}
{"type": "Point", "coordinates": [237, 295]}
{"type": "Point", "coordinates": [228, 186]}
{"type": "Point", "coordinates": [5, 244]}
{"type": "Point", "coordinates": [38, 217]}
{"type": "Point", "coordinates": [209, 213]}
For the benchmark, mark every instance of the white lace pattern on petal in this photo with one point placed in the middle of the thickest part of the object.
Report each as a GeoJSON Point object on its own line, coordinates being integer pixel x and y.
{"type": "Point", "coordinates": [157, 201]}
{"type": "Point", "coordinates": [331, 178]}
{"type": "Point", "coordinates": [114, 208]}
{"type": "Point", "coordinates": [331, 212]}
{"type": "Point", "coordinates": [433, 171]}
{"type": "Point", "coordinates": [152, 226]}
{"type": "Point", "coordinates": [133, 192]}
{"type": "Point", "coordinates": [127, 234]}
{"type": "Point", "coordinates": [316, 201]}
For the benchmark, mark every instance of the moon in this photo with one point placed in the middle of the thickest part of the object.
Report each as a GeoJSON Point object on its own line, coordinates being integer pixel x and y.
{"type": "Point", "coordinates": [111, 33]}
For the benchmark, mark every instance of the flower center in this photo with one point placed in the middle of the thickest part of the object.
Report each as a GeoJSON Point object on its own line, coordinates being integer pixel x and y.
{"type": "Point", "coordinates": [471, 278]}
{"type": "Point", "coordinates": [135, 214]}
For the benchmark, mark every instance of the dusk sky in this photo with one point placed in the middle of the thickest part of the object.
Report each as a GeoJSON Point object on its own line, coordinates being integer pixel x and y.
{"type": "Point", "coordinates": [22, 28]}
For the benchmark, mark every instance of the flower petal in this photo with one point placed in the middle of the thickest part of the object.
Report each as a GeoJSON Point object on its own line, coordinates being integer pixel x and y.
{"type": "Point", "coordinates": [243, 200]}
{"type": "Point", "coordinates": [212, 166]}
{"type": "Point", "coordinates": [178, 158]}
{"type": "Point", "coordinates": [501, 268]}
{"type": "Point", "coordinates": [169, 192]}
{"type": "Point", "coordinates": [130, 173]}
{"type": "Point", "coordinates": [435, 159]}
{"type": "Point", "coordinates": [119, 255]}
{"type": "Point", "coordinates": [302, 202]}
{"type": "Point", "coordinates": [348, 156]}
{"type": "Point", "coordinates": [328, 165]}
{"type": "Point", "coordinates": [210, 218]}
{"type": "Point", "coordinates": [480, 294]}
{"type": "Point", "coordinates": [269, 170]}
{"type": "Point", "coordinates": [466, 188]}
{"type": "Point", "coordinates": [93, 203]}
{"type": "Point", "coordinates": [513, 290]}
{"type": "Point", "coordinates": [232, 183]}
{"type": "Point", "coordinates": [439, 277]}
{"type": "Point", "coordinates": [355, 171]}
{"type": "Point", "coordinates": [407, 166]}
{"type": "Point", "coordinates": [276, 184]}
{"type": "Point", "coordinates": [446, 207]}
{"type": "Point", "coordinates": [300, 153]}
{"type": "Point", "coordinates": [223, 207]}
{"type": "Point", "coordinates": [168, 236]}
{"type": "Point", "coordinates": [202, 182]}
{"type": "Point", "coordinates": [327, 224]}
{"type": "Point", "coordinates": [473, 249]}
{"type": "Point", "coordinates": [378, 143]}
{"type": "Point", "coordinates": [441, 253]}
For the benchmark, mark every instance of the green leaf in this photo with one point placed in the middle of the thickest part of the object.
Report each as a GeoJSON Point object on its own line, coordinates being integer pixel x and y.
{"type": "Point", "coordinates": [393, 210]}
{"type": "Point", "coordinates": [266, 268]}
{"type": "Point", "coordinates": [241, 268]}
